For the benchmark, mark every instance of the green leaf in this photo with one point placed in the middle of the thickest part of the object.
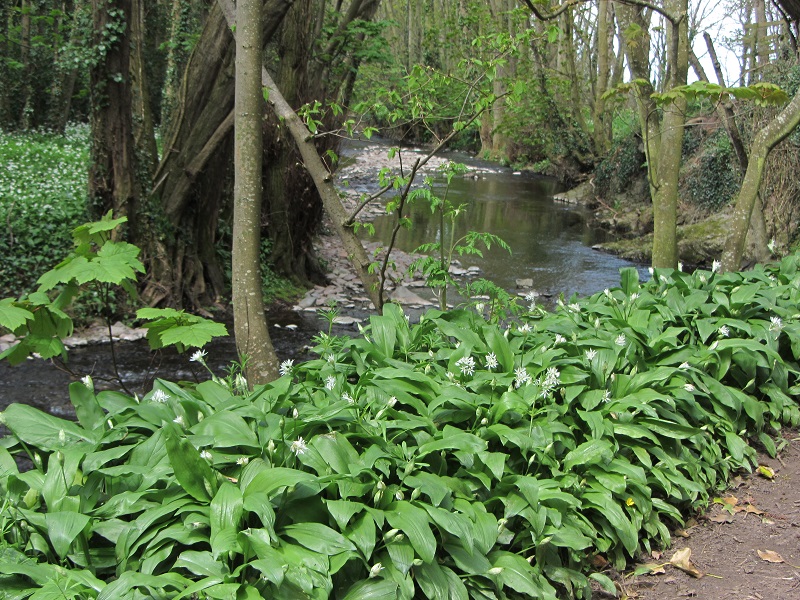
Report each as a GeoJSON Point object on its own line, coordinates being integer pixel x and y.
{"type": "Point", "coordinates": [63, 528]}
{"type": "Point", "coordinates": [13, 317]}
{"type": "Point", "coordinates": [227, 430]}
{"type": "Point", "coordinates": [44, 431]}
{"type": "Point", "coordinates": [191, 470]}
{"type": "Point", "coordinates": [414, 522]}
{"type": "Point", "coordinates": [225, 517]}
{"type": "Point", "coordinates": [589, 453]}
{"type": "Point", "coordinates": [373, 589]}
{"type": "Point", "coordinates": [517, 574]}
{"type": "Point", "coordinates": [90, 414]}
{"type": "Point", "coordinates": [201, 563]}
{"type": "Point", "coordinates": [319, 538]}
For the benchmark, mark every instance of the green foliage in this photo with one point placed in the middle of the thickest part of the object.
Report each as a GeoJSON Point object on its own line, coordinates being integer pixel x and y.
{"type": "Point", "coordinates": [622, 165]}
{"type": "Point", "coordinates": [42, 197]}
{"type": "Point", "coordinates": [170, 327]}
{"type": "Point", "coordinates": [435, 265]}
{"type": "Point", "coordinates": [101, 264]}
{"type": "Point", "coordinates": [711, 179]}
{"type": "Point", "coordinates": [447, 459]}
{"type": "Point", "coordinates": [97, 261]}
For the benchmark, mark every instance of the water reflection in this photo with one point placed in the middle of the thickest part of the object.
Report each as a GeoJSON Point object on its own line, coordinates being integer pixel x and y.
{"type": "Point", "coordinates": [551, 242]}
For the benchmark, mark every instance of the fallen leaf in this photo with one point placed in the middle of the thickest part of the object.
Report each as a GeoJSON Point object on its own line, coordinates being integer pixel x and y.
{"type": "Point", "coordinates": [650, 569]}
{"type": "Point", "coordinates": [681, 532]}
{"type": "Point", "coordinates": [766, 472]}
{"type": "Point", "coordinates": [722, 517]}
{"type": "Point", "coordinates": [656, 554]}
{"type": "Point", "coordinates": [732, 500]}
{"type": "Point", "coordinates": [682, 560]}
{"type": "Point", "coordinates": [752, 510]}
{"type": "Point", "coordinates": [599, 562]}
{"type": "Point", "coordinates": [738, 481]}
{"type": "Point", "coordinates": [770, 556]}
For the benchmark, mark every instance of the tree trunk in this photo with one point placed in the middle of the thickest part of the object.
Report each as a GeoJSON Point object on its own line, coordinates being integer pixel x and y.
{"type": "Point", "coordinates": [250, 325]}
{"type": "Point", "coordinates": [144, 127]}
{"type": "Point", "coordinates": [602, 137]}
{"type": "Point", "coordinates": [766, 139]}
{"type": "Point", "coordinates": [112, 174]}
{"type": "Point", "coordinates": [321, 177]}
{"type": "Point", "coordinates": [191, 178]}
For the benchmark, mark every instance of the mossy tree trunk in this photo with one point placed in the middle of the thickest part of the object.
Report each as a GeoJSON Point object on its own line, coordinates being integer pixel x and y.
{"type": "Point", "coordinates": [765, 140]}
{"type": "Point", "coordinates": [112, 173]}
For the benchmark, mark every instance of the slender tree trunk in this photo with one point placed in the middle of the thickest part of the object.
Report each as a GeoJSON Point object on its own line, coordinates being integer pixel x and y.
{"type": "Point", "coordinates": [250, 324]}
{"type": "Point", "coordinates": [321, 176]}
{"type": "Point", "coordinates": [25, 59]}
{"type": "Point", "coordinates": [766, 139]}
{"type": "Point", "coordinates": [602, 139]}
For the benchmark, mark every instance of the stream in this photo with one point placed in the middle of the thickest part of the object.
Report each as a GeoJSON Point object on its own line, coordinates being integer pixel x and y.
{"type": "Point", "coordinates": [551, 244]}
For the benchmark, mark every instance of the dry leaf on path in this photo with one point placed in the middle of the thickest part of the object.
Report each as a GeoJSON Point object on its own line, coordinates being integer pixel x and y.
{"type": "Point", "coordinates": [731, 500]}
{"type": "Point", "coordinates": [682, 560]}
{"type": "Point", "coordinates": [770, 556]}
{"type": "Point", "coordinates": [750, 509]}
{"type": "Point", "coordinates": [722, 517]}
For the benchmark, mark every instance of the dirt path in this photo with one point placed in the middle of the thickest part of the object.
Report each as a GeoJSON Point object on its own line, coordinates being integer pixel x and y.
{"type": "Point", "coordinates": [747, 545]}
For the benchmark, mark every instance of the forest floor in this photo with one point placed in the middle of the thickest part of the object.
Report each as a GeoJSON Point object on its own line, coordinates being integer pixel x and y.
{"type": "Point", "coordinates": [746, 546]}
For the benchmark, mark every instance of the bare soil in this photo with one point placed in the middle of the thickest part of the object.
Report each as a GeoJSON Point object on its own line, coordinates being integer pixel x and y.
{"type": "Point", "coordinates": [746, 546]}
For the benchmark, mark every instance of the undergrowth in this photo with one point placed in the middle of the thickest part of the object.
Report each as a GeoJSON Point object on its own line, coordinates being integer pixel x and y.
{"type": "Point", "coordinates": [449, 459]}
{"type": "Point", "coordinates": [42, 198]}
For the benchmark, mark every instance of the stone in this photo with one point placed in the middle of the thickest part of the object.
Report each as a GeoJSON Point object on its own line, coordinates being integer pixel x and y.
{"type": "Point", "coordinates": [403, 295]}
{"type": "Point", "coordinates": [308, 300]}
{"type": "Point", "coordinates": [524, 283]}
{"type": "Point", "coordinates": [346, 320]}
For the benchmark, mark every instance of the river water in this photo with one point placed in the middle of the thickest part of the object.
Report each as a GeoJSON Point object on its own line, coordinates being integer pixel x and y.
{"type": "Point", "coordinates": [551, 242]}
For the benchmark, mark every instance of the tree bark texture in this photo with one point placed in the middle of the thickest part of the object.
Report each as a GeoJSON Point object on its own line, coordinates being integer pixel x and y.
{"type": "Point", "coordinates": [765, 140]}
{"type": "Point", "coordinates": [112, 173]}
{"type": "Point", "coordinates": [190, 180]}
{"type": "Point", "coordinates": [249, 322]}
{"type": "Point", "coordinates": [321, 177]}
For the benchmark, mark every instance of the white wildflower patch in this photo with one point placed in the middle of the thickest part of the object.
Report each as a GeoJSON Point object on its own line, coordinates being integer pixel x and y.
{"type": "Point", "coordinates": [179, 420]}
{"type": "Point", "coordinates": [621, 340]}
{"type": "Point", "coordinates": [715, 266]}
{"type": "Point", "coordinates": [242, 460]}
{"type": "Point", "coordinates": [591, 354]}
{"type": "Point", "coordinates": [724, 331]}
{"type": "Point", "coordinates": [525, 328]}
{"type": "Point", "coordinates": [206, 455]}
{"type": "Point", "coordinates": [550, 381]}
{"type": "Point", "coordinates": [607, 396]}
{"type": "Point", "coordinates": [87, 381]}
{"type": "Point", "coordinates": [560, 339]}
{"type": "Point", "coordinates": [776, 324]}
{"type": "Point", "coordinates": [491, 361]}
{"type": "Point", "coordinates": [198, 356]}
{"type": "Point", "coordinates": [348, 398]}
{"type": "Point", "coordinates": [330, 382]}
{"type": "Point", "coordinates": [688, 387]}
